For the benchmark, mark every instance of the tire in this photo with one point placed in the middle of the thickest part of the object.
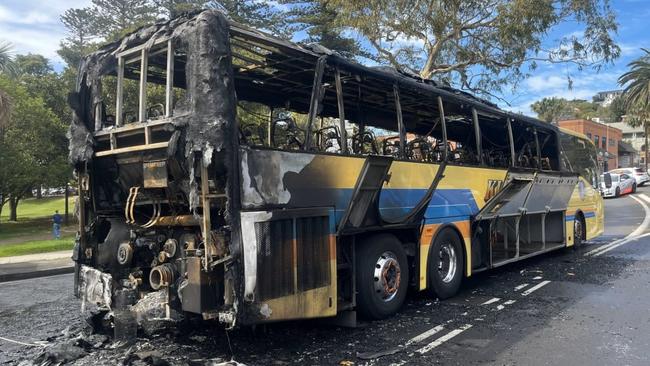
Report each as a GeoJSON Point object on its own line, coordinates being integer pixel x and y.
{"type": "Point", "coordinates": [578, 231]}
{"type": "Point", "coordinates": [445, 252]}
{"type": "Point", "coordinates": [618, 192]}
{"type": "Point", "coordinates": [382, 276]}
{"type": "Point", "coordinates": [634, 188]}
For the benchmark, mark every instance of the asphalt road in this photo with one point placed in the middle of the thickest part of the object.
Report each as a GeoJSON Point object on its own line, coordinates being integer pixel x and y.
{"type": "Point", "coordinates": [566, 308]}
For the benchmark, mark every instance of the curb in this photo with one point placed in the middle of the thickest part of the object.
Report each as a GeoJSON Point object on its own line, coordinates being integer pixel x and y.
{"type": "Point", "coordinates": [35, 274]}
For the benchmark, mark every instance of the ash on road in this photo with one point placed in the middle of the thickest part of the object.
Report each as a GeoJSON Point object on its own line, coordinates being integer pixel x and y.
{"type": "Point", "coordinates": [568, 307]}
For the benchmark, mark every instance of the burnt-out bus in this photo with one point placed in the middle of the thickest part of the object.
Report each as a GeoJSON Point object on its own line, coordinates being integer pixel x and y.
{"type": "Point", "coordinates": [244, 178]}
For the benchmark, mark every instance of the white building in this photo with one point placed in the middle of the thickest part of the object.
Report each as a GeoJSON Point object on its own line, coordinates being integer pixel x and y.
{"type": "Point", "coordinates": [605, 98]}
{"type": "Point", "coordinates": [635, 137]}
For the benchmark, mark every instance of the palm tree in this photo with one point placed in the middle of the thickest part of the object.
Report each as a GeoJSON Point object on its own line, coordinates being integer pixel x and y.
{"type": "Point", "coordinates": [6, 61]}
{"type": "Point", "coordinates": [6, 67]}
{"type": "Point", "coordinates": [636, 94]}
{"type": "Point", "coordinates": [5, 112]}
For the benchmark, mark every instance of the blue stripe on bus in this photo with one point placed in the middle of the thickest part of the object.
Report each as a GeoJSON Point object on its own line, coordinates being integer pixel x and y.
{"type": "Point", "coordinates": [586, 214]}
{"type": "Point", "coordinates": [394, 203]}
{"type": "Point", "coordinates": [446, 205]}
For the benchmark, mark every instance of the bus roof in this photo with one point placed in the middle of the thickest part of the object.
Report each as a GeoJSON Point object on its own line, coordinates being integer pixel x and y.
{"type": "Point", "coordinates": [273, 71]}
{"type": "Point", "coordinates": [387, 75]}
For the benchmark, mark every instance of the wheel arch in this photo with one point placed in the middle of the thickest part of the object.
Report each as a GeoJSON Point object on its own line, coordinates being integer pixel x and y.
{"type": "Point", "coordinates": [466, 263]}
{"type": "Point", "coordinates": [579, 214]}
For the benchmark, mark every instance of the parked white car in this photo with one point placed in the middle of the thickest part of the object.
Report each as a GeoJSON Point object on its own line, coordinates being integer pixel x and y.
{"type": "Point", "coordinates": [639, 175]}
{"type": "Point", "coordinates": [620, 184]}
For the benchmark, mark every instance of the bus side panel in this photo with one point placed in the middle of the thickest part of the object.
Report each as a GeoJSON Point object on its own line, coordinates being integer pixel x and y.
{"type": "Point", "coordinates": [461, 194]}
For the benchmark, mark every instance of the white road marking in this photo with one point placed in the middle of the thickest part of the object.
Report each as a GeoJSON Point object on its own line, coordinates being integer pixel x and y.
{"type": "Point", "coordinates": [621, 243]}
{"type": "Point", "coordinates": [443, 339]}
{"type": "Point", "coordinates": [419, 338]}
{"type": "Point", "coordinates": [491, 301]}
{"type": "Point", "coordinates": [535, 288]}
{"type": "Point", "coordinates": [21, 343]}
{"type": "Point", "coordinates": [633, 235]}
{"type": "Point", "coordinates": [537, 278]}
{"type": "Point", "coordinates": [521, 286]}
{"type": "Point", "coordinates": [505, 303]}
{"type": "Point", "coordinates": [602, 247]}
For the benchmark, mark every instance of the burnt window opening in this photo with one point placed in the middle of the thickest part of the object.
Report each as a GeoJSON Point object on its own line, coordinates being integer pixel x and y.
{"type": "Point", "coordinates": [306, 101]}
{"type": "Point", "coordinates": [577, 156]}
{"type": "Point", "coordinates": [146, 84]}
{"type": "Point", "coordinates": [549, 148]}
{"type": "Point", "coordinates": [494, 141]}
{"type": "Point", "coordinates": [525, 145]}
{"type": "Point", "coordinates": [535, 148]}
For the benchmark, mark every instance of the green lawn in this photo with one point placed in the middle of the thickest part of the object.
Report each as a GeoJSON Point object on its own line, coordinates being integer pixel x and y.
{"type": "Point", "coordinates": [34, 219]}
{"type": "Point", "coordinates": [32, 208]}
{"type": "Point", "coordinates": [38, 246]}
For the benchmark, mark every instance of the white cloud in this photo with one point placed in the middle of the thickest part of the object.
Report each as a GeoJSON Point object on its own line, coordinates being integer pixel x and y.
{"type": "Point", "coordinates": [26, 18]}
{"type": "Point", "coordinates": [544, 82]}
{"type": "Point", "coordinates": [33, 26]}
{"type": "Point", "coordinates": [631, 50]}
{"type": "Point", "coordinates": [548, 84]}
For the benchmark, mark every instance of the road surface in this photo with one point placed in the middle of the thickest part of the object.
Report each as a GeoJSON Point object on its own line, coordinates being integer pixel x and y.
{"type": "Point", "coordinates": [566, 308]}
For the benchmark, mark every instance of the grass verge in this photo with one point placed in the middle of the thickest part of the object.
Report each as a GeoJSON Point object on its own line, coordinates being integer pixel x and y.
{"type": "Point", "coordinates": [37, 227]}
{"type": "Point", "coordinates": [31, 208]}
{"type": "Point", "coordinates": [37, 246]}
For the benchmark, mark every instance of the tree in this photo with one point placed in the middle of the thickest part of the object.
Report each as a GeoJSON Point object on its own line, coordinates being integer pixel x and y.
{"type": "Point", "coordinates": [6, 67]}
{"type": "Point", "coordinates": [550, 109]}
{"type": "Point", "coordinates": [318, 20]}
{"type": "Point", "coordinates": [173, 8]}
{"type": "Point", "coordinates": [481, 45]}
{"type": "Point", "coordinates": [30, 145]}
{"type": "Point", "coordinates": [257, 14]}
{"type": "Point", "coordinates": [112, 19]}
{"type": "Point", "coordinates": [616, 109]}
{"type": "Point", "coordinates": [6, 61]}
{"type": "Point", "coordinates": [636, 95]}
{"type": "Point", "coordinates": [82, 31]}
{"type": "Point", "coordinates": [584, 109]}
{"type": "Point", "coordinates": [32, 64]}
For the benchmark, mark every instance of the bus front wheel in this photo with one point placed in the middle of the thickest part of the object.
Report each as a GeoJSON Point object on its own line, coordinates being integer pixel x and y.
{"type": "Point", "coordinates": [382, 276]}
{"type": "Point", "coordinates": [578, 231]}
{"type": "Point", "coordinates": [446, 264]}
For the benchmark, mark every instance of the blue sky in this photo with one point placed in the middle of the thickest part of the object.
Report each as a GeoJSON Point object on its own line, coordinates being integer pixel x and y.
{"type": "Point", "coordinates": [34, 26]}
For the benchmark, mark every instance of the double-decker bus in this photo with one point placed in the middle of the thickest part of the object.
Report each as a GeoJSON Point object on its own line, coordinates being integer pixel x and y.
{"type": "Point", "coordinates": [231, 174]}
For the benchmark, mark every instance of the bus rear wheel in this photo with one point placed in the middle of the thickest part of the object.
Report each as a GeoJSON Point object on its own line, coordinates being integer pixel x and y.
{"type": "Point", "coordinates": [382, 276]}
{"type": "Point", "coordinates": [445, 264]}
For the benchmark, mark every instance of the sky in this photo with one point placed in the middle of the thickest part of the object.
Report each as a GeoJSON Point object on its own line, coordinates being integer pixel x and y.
{"type": "Point", "coordinates": [34, 26]}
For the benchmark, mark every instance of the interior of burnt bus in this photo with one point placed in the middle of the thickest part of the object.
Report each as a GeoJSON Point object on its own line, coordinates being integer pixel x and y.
{"type": "Point", "coordinates": [307, 99]}
{"type": "Point", "coordinates": [274, 85]}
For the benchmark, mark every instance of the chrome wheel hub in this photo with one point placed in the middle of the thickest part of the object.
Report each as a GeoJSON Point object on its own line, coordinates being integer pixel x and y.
{"type": "Point", "coordinates": [447, 262]}
{"type": "Point", "coordinates": [577, 231]}
{"type": "Point", "coordinates": [387, 276]}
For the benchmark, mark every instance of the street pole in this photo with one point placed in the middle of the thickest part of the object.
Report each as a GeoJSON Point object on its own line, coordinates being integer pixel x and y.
{"type": "Point", "coordinates": [645, 133]}
{"type": "Point", "coordinates": [67, 194]}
